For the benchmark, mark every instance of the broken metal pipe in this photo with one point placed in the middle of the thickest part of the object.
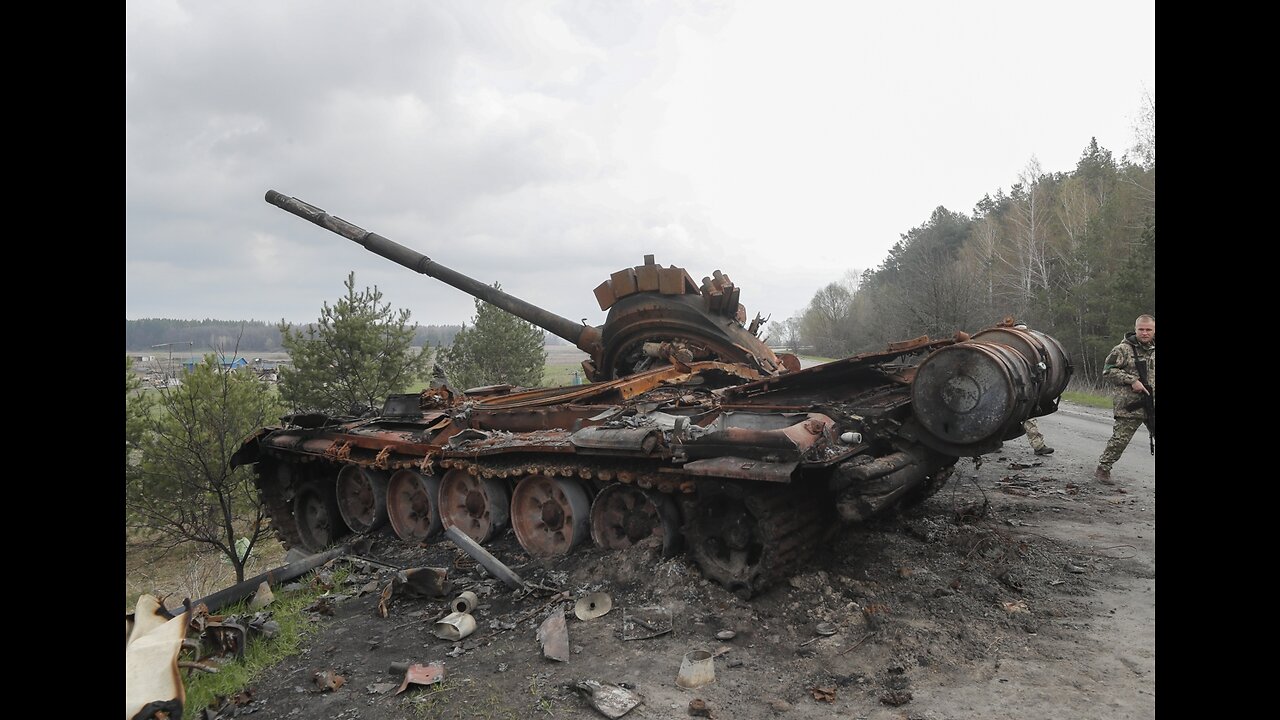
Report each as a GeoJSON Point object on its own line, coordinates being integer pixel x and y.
{"type": "Point", "coordinates": [482, 556]}
{"type": "Point", "coordinates": [273, 578]}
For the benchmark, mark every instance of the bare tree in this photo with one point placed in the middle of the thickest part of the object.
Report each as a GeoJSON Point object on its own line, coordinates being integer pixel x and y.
{"type": "Point", "coordinates": [1143, 152]}
{"type": "Point", "coordinates": [1144, 130]}
{"type": "Point", "coordinates": [823, 321]}
{"type": "Point", "coordinates": [787, 333]}
{"type": "Point", "coordinates": [1027, 254]}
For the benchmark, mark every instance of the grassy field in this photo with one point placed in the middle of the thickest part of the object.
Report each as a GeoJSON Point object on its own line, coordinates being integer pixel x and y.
{"type": "Point", "coordinates": [562, 362]}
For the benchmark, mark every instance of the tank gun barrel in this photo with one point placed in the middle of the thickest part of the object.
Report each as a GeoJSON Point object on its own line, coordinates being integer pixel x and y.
{"type": "Point", "coordinates": [586, 337]}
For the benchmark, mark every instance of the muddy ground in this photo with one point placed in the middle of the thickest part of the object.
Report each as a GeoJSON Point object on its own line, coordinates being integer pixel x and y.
{"type": "Point", "coordinates": [1022, 589]}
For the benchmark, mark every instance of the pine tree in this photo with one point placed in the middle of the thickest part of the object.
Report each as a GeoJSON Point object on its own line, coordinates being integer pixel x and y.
{"type": "Point", "coordinates": [498, 348]}
{"type": "Point", "coordinates": [359, 352]}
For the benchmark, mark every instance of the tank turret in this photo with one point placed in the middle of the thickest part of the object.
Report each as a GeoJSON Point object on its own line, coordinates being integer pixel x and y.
{"type": "Point", "coordinates": [657, 315]}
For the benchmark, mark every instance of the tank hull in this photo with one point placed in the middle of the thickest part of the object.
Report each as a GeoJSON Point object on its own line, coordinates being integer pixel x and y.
{"type": "Point", "coordinates": [744, 471]}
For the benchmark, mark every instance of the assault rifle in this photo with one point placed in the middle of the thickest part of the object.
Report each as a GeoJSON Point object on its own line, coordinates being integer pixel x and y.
{"type": "Point", "coordinates": [1147, 402]}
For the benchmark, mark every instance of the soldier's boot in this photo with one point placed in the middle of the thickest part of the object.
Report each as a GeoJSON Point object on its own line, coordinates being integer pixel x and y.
{"type": "Point", "coordinates": [1103, 475]}
{"type": "Point", "coordinates": [1044, 450]}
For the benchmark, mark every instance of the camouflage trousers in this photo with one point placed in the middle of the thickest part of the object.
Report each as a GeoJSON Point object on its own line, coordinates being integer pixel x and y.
{"type": "Point", "coordinates": [1034, 436]}
{"type": "Point", "coordinates": [1120, 436]}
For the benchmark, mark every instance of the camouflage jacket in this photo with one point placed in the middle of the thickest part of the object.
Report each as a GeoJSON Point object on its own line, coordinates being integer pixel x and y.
{"type": "Point", "coordinates": [1119, 369]}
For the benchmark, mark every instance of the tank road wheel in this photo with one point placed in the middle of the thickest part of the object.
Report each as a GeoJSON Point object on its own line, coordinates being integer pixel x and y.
{"type": "Point", "coordinates": [275, 481]}
{"type": "Point", "coordinates": [550, 515]}
{"type": "Point", "coordinates": [362, 498]}
{"type": "Point", "coordinates": [413, 505]}
{"type": "Point", "coordinates": [746, 540]}
{"type": "Point", "coordinates": [476, 506]}
{"type": "Point", "coordinates": [316, 511]}
{"type": "Point", "coordinates": [623, 515]}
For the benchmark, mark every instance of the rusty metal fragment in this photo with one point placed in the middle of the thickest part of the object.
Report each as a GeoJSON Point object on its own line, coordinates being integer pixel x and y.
{"type": "Point", "coordinates": [328, 680]}
{"type": "Point", "coordinates": [225, 639]}
{"type": "Point", "coordinates": [416, 674]}
{"type": "Point", "coordinates": [384, 598]}
{"type": "Point", "coordinates": [823, 694]}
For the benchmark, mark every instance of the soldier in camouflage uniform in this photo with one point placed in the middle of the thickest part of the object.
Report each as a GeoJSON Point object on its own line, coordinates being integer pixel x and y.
{"type": "Point", "coordinates": [1120, 369]}
{"type": "Point", "coordinates": [1034, 436]}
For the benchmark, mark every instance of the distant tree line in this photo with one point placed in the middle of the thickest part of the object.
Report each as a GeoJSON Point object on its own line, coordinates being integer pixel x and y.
{"type": "Point", "coordinates": [1069, 253]}
{"type": "Point", "coordinates": [251, 335]}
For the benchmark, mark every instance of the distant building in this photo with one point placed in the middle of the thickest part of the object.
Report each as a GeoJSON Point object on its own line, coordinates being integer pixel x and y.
{"type": "Point", "coordinates": [227, 365]}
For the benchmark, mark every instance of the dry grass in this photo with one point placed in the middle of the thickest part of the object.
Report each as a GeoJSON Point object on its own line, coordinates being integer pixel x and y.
{"type": "Point", "coordinates": [189, 571]}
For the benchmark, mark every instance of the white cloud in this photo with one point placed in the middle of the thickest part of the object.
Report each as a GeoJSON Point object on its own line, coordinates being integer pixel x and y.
{"type": "Point", "coordinates": [547, 144]}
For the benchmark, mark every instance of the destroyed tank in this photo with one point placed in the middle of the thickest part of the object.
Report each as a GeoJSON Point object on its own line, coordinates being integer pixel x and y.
{"type": "Point", "coordinates": [693, 435]}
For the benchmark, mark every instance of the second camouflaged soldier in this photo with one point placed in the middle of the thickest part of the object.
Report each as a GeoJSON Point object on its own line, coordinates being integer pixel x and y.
{"type": "Point", "coordinates": [1131, 366]}
{"type": "Point", "coordinates": [1034, 436]}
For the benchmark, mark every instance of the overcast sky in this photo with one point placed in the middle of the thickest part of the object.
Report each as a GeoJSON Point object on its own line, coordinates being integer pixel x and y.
{"type": "Point", "coordinates": [545, 145]}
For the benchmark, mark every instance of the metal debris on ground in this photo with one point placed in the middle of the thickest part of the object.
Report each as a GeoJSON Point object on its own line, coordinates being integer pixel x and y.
{"type": "Point", "coordinates": [857, 644]}
{"type": "Point", "coordinates": [553, 636]}
{"type": "Point", "coordinates": [645, 622]}
{"type": "Point", "coordinates": [262, 624]}
{"type": "Point", "coordinates": [465, 602]}
{"type": "Point", "coordinates": [699, 708]}
{"type": "Point", "coordinates": [425, 582]}
{"type": "Point", "coordinates": [225, 639]}
{"type": "Point", "coordinates": [328, 680]}
{"type": "Point", "coordinates": [454, 626]}
{"type": "Point", "coordinates": [823, 694]}
{"type": "Point", "coordinates": [613, 701]}
{"type": "Point", "coordinates": [263, 597]}
{"type": "Point", "coordinates": [592, 606]}
{"type": "Point", "coordinates": [384, 600]}
{"type": "Point", "coordinates": [482, 556]}
{"type": "Point", "coordinates": [416, 674]}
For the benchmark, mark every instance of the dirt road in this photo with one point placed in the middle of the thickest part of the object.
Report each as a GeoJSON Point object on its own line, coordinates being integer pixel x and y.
{"type": "Point", "coordinates": [1021, 590]}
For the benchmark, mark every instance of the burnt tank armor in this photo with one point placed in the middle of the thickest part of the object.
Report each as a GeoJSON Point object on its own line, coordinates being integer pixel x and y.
{"type": "Point", "coordinates": [693, 432]}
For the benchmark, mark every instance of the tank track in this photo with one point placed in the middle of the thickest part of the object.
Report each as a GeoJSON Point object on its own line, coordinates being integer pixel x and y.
{"type": "Point", "coordinates": [931, 486]}
{"type": "Point", "coordinates": [748, 538]}
{"type": "Point", "coordinates": [279, 511]}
